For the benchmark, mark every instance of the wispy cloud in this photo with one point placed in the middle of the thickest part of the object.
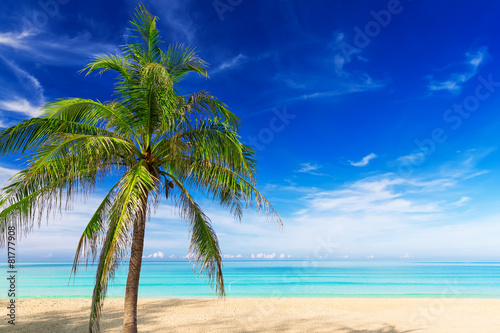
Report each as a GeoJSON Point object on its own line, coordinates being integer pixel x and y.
{"type": "Point", "coordinates": [412, 158]}
{"type": "Point", "coordinates": [6, 173]}
{"type": "Point", "coordinates": [476, 174]}
{"type": "Point", "coordinates": [26, 78]}
{"type": "Point", "coordinates": [310, 169]}
{"type": "Point", "coordinates": [364, 161]}
{"type": "Point", "coordinates": [31, 86]}
{"type": "Point", "coordinates": [22, 106]}
{"type": "Point", "coordinates": [176, 15]}
{"type": "Point", "coordinates": [15, 40]}
{"type": "Point", "coordinates": [338, 79]}
{"type": "Point", "coordinates": [339, 59]}
{"type": "Point", "coordinates": [231, 63]}
{"type": "Point", "coordinates": [360, 82]}
{"type": "Point", "coordinates": [456, 80]}
{"type": "Point", "coordinates": [461, 202]}
{"type": "Point", "coordinates": [5, 123]}
{"type": "Point", "coordinates": [380, 194]}
{"type": "Point", "coordinates": [55, 49]}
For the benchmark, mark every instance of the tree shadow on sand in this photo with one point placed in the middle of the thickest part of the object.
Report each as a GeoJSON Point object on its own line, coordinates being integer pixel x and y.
{"type": "Point", "coordinates": [152, 317]}
{"type": "Point", "coordinates": [386, 329]}
{"type": "Point", "coordinates": [60, 321]}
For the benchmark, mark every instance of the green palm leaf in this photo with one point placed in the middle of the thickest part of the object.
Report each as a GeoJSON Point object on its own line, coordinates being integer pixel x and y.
{"type": "Point", "coordinates": [157, 142]}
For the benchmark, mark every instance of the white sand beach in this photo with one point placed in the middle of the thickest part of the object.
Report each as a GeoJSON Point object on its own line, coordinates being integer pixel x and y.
{"type": "Point", "coordinates": [363, 315]}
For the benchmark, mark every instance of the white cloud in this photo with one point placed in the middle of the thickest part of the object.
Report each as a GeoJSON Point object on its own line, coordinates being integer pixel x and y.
{"type": "Point", "coordinates": [265, 256]}
{"type": "Point", "coordinates": [8, 172]}
{"type": "Point", "coordinates": [5, 174]}
{"type": "Point", "coordinates": [15, 40]}
{"type": "Point", "coordinates": [56, 49]}
{"type": "Point", "coordinates": [476, 174]}
{"type": "Point", "coordinates": [25, 76]}
{"type": "Point", "coordinates": [176, 15]}
{"type": "Point", "coordinates": [364, 161]}
{"type": "Point", "coordinates": [477, 58]}
{"type": "Point", "coordinates": [5, 124]}
{"type": "Point", "coordinates": [339, 62]}
{"type": "Point", "coordinates": [382, 215]}
{"type": "Point", "coordinates": [342, 81]}
{"type": "Point", "coordinates": [414, 158]}
{"type": "Point", "coordinates": [301, 211]}
{"type": "Point", "coordinates": [456, 80]}
{"type": "Point", "coordinates": [310, 169]}
{"type": "Point", "coordinates": [156, 255]}
{"type": "Point", "coordinates": [339, 59]}
{"type": "Point", "coordinates": [22, 106]}
{"type": "Point", "coordinates": [232, 63]}
{"type": "Point", "coordinates": [362, 82]}
{"type": "Point", "coordinates": [461, 202]}
{"type": "Point", "coordinates": [32, 87]}
{"type": "Point", "coordinates": [378, 194]}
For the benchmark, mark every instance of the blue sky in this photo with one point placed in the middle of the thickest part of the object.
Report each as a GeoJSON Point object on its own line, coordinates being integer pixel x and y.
{"type": "Point", "coordinates": [376, 122]}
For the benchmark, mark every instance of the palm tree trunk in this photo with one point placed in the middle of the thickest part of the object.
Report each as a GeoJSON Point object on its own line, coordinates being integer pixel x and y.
{"type": "Point", "coordinates": [134, 272]}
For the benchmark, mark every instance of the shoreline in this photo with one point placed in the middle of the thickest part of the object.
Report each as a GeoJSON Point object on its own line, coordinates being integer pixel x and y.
{"type": "Point", "coordinates": [343, 296]}
{"type": "Point", "coordinates": [367, 315]}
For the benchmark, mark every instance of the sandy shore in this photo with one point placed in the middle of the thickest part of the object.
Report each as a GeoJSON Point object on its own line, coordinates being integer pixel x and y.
{"type": "Point", "coordinates": [351, 315]}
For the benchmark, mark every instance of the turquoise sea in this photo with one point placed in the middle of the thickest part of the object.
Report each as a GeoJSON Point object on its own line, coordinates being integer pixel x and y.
{"type": "Point", "coordinates": [273, 279]}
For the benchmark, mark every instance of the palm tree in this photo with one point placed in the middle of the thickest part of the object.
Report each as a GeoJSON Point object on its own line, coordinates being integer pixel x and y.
{"type": "Point", "coordinates": [157, 143]}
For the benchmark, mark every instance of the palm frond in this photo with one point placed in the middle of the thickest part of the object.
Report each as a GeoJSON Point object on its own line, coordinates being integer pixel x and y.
{"type": "Point", "coordinates": [106, 62]}
{"type": "Point", "coordinates": [144, 28]}
{"type": "Point", "coordinates": [91, 238]}
{"type": "Point", "coordinates": [112, 116]}
{"type": "Point", "coordinates": [216, 142]}
{"type": "Point", "coordinates": [34, 132]}
{"type": "Point", "coordinates": [148, 132]}
{"type": "Point", "coordinates": [203, 106]}
{"type": "Point", "coordinates": [180, 60]}
{"type": "Point", "coordinates": [131, 192]}
{"type": "Point", "coordinates": [31, 195]}
{"type": "Point", "coordinates": [204, 246]}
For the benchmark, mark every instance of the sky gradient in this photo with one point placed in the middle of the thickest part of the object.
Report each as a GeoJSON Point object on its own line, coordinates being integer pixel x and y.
{"type": "Point", "coordinates": [376, 122]}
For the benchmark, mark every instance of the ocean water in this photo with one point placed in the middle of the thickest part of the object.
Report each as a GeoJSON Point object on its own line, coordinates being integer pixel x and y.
{"type": "Point", "coordinates": [273, 279]}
